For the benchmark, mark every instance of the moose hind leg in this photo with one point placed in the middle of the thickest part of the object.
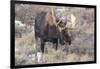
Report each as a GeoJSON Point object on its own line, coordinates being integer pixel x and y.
{"type": "Point", "coordinates": [42, 45]}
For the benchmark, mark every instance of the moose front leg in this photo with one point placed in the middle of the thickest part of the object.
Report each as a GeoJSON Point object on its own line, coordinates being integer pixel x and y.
{"type": "Point", "coordinates": [55, 44]}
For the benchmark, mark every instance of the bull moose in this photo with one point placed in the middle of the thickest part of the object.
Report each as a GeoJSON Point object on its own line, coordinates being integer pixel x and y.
{"type": "Point", "coordinates": [49, 31]}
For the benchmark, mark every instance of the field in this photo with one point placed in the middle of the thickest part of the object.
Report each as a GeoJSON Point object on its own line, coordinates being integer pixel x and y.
{"type": "Point", "coordinates": [81, 49]}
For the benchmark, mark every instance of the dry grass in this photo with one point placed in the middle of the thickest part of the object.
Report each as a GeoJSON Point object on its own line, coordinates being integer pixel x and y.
{"type": "Point", "coordinates": [25, 40]}
{"type": "Point", "coordinates": [54, 56]}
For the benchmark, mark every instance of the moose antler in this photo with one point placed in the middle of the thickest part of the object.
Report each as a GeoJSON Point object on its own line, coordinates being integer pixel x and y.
{"type": "Point", "coordinates": [73, 18]}
{"type": "Point", "coordinates": [54, 20]}
{"type": "Point", "coordinates": [53, 16]}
